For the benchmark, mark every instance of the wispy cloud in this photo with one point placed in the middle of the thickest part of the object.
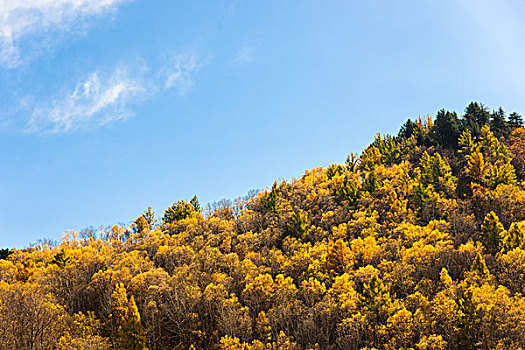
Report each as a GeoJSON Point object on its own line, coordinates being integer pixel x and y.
{"type": "Point", "coordinates": [244, 55]}
{"type": "Point", "coordinates": [94, 102]}
{"type": "Point", "coordinates": [178, 72]}
{"type": "Point", "coordinates": [105, 98]}
{"type": "Point", "coordinates": [22, 19]}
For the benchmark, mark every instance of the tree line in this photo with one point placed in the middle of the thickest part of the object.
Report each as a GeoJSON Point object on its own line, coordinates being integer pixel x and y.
{"type": "Point", "coordinates": [416, 243]}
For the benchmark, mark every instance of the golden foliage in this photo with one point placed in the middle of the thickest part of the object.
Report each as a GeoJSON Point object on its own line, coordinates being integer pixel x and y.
{"type": "Point", "coordinates": [409, 246]}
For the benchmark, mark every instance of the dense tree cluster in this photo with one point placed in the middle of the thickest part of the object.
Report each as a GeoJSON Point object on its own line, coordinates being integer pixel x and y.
{"type": "Point", "coordinates": [417, 243]}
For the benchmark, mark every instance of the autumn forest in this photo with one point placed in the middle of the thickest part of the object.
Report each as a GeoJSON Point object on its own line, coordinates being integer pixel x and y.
{"type": "Point", "coordinates": [416, 243]}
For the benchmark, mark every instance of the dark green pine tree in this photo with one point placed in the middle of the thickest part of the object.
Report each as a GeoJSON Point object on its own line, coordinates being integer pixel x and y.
{"type": "Point", "coordinates": [4, 253]}
{"type": "Point", "coordinates": [407, 129]}
{"type": "Point", "coordinates": [415, 129]}
{"type": "Point", "coordinates": [498, 123]}
{"type": "Point", "coordinates": [195, 202]}
{"type": "Point", "coordinates": [446, 129]}
{"type": "Point", "coordinates": [475, 117]}
{"type": "Point", "coordinates": [515, 120]}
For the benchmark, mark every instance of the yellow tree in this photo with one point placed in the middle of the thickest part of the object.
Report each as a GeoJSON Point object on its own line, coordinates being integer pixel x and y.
{"type": "Point", "coordinates": [29, 318]}
{"type": "Point", "coordinates": [515, 237]}
{"type": "Point", "coordinates": [119, 302]}
{"type": "Point", "coordinates": [376, 304]}
{"type": "Point", "coordinates": [131, 333]}
{"type": "Point", "coordinates": [492, 233]}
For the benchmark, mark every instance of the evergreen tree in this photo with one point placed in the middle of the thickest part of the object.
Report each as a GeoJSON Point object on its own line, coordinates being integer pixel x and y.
{"type": "Point", "coordinates": [503, 174]}
{"type": "Point", "coordinates": [475, 117]}
{"type": "Point", "coordinates": [498, 123]}
{"type": "Point", "coordinates": [386, 149]}
{"type": "Point", "coordinates": [436, 171]}
{"type": "Point", "coordinates": [515, 120]}
{"type": "Point", "coordinates": [466, 143]}
{"type": "Point", "coordinates": [150, 217]}
{"type": "Point", "coordinates": [178, 211]}
{"type": "Point", "coordinates": [4, 253]}
{"type": "Point", "coordinates": [470, 121]}
{"type": "Point", "coordinates": [477, 169]}
{"type": "Point", "coordinates": [492, 233]}
{"type": "Point", "coordinates": [420, 133]}
{"type": "Point", "coordinates": [350, 190]}
{"type": "Point", "coordinates": [446, 129]}
{"type": "Point", "coordinates": [299, 224]}
{"type": "Point", "coordinates": [196, 205]}
{"type": "Point", "coordinates": [238, 279]}
{"type": "Point", "coordinates": [272, 202]}
{"type": "Point", "coordinates": [140, 225]}
{"type": "Point", "coordinates": [131, 333]}
{"type": "Point", "coordinates": [419, 198]}
{"type": "Point", "coordinates": [352, 162]}
{"type": "Point", "coordinates": [408, 129]}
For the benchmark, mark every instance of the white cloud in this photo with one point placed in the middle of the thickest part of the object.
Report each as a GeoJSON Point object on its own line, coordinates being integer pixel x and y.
{"type": "Point", "coordinates": [178, 73]}
{"type": "Point", "coordinates": [104, 98]}
{"type": "Point", "coordinates": [244, 55]}
{"type": "Point", "coordinates": [20, 19]}
{"type": "Point", "coordinates": [94, 102]}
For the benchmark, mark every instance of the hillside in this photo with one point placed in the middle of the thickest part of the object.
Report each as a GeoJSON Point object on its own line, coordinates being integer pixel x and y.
{"type": "Point", "coordinates": [417, 243]}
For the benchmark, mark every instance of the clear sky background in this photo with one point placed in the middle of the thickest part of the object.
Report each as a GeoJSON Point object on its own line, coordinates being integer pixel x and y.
{"type": "Point", "coordinates": [111, 106]}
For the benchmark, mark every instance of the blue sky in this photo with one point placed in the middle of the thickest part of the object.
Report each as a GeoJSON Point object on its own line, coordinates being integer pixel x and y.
{"type": "Point", "coordinates": [111, 106]}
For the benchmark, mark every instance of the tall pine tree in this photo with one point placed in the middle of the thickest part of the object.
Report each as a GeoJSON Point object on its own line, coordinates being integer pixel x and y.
{"type": "Point", "coordinates": [131, 332]}
{"type": "Point", "coordinates": [498, 123]}
{"type": "Point", "coordinates": [515, 120]}
{"type": "Point", "coordinates": [492, 233]}
{"type": "Point", "coordinates": [475, 117]}
{"type": "Point", "coordinates": [446, 129]}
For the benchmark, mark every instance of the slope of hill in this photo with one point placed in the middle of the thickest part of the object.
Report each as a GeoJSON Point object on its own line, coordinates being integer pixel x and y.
{"type": "Point", "coordinates": [417, 243]}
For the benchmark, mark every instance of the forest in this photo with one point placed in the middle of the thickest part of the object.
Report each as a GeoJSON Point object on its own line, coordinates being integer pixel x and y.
{"type": "Point", "coordinates": [416, 243]}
